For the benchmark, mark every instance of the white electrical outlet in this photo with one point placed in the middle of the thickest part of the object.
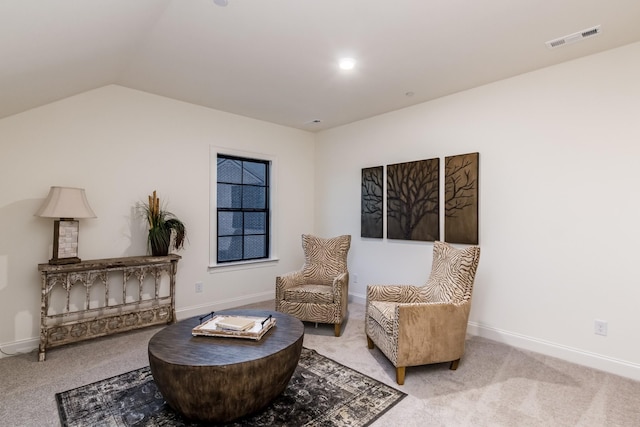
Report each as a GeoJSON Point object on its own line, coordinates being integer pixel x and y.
{"type": "Point", "coordinates": [600, 327]}
{"type": "Point", "coordinates": [355, 278]}
{"type": "Point", "coordinates": [199, 287]}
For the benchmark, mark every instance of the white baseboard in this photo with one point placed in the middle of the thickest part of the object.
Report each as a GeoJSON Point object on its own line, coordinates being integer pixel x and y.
{"type": "Point", "coordinates": [30, 344]}
{"type": "Point", "coordinates": [357, 298]}
{"type": "Point", "coordinates": [18, 347]}
{"type": "Point", "coordinates": [200, 310]}
{"type": "Point", "coordinates": [570, 354]}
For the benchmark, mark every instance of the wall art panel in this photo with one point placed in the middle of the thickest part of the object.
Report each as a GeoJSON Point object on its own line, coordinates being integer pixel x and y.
{"type": "Point", "coordinates": [413, 193]}
{"type": "Point", "coordinates": [371, 202]}
{"type": "Point", "coordinates": [461, 198]}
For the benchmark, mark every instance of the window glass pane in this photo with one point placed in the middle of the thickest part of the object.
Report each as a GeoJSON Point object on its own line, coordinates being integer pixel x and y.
{"type": "Point", "coordinates": [255, 247]}
{"type": "Point", "coordinates": [229, 248]}
{"type": "Point", "coordinates": [255, 223]}
{"type": "Point", "coordinates": [255, 173]}
{"type": "Point", "coordinates": [229, 196]}
{"type": "Point", "coordinates": [254, 197]}
{"type": "Point", "coordinates": [242, 204]}
{"type": "Point", "coordinates": [229, 170]}
{"type": "Point", "coordinates": [229, 223]}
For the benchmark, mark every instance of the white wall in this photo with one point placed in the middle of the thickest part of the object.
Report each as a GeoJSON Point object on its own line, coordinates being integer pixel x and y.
{"type": "Point", "coordinates": [559, 202]}
{"type": "Point", "coordinates": [558, 198]}
{"type": "Point", "coordinates": [120, 145]}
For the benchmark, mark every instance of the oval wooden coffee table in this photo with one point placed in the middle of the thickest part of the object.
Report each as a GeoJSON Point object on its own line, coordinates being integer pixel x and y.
{"type": "Point", "coordinates": [221, 379]}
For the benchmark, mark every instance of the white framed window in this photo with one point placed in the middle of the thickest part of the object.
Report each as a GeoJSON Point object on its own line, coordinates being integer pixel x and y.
{"type": "Point", "coordinates": [241, 213]}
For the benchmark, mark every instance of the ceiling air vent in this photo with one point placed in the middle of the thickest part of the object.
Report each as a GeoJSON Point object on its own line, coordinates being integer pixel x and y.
{"type": "Point", "coordinates": [575, 37]}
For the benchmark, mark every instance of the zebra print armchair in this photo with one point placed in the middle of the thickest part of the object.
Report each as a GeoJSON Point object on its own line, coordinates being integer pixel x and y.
{"type": "Point", "coordinates": [415, 325]}
{"type": "Point", "coordinates": [318, 292]}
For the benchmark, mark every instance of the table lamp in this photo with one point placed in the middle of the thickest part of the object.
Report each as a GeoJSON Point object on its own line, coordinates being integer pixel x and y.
{"type": "Point", "coordinates": [66, 204]}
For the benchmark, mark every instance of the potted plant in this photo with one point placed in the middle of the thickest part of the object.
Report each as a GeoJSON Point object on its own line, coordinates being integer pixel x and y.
{"type": "Point", "coordinates": [162, 225]}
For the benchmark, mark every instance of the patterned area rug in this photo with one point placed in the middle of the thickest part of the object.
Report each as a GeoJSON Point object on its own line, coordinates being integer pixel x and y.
{"type": "Point", "coordinates": [321, 392]}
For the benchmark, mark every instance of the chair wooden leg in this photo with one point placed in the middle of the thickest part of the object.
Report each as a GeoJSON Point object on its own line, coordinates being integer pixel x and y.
{"type": "Point", "coordinates": [400, 371]}
{"type": "Point", "coordinates": [454, 364]}
{"type": "Point", "coordinates": [369, 343]}
{"type": "Point", "coordinates": [336, 329]}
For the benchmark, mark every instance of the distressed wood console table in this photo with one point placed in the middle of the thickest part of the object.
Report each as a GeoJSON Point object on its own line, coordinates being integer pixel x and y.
{"type": "Point", "coordinates": [105, 296]}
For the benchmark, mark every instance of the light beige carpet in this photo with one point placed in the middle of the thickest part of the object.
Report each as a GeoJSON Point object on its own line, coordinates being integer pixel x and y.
{"type": "Point", "coordinates": [495, 385]}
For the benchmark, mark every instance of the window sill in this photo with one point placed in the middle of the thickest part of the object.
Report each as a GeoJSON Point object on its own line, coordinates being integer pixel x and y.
{"type": "Point", "coordinates": [242, 265]}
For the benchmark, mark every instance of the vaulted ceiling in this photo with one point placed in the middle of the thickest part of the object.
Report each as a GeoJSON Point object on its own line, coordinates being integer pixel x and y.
{"type": "Point", "coordinates": [277, 60]}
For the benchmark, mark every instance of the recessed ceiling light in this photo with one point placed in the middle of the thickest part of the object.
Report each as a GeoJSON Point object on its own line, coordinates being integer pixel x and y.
{"type": "Point", "coordinates": [347, 63]}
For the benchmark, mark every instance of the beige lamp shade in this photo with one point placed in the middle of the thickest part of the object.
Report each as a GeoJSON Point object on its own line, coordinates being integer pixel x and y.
{"type": "Point", "coordinates": [66, 202]}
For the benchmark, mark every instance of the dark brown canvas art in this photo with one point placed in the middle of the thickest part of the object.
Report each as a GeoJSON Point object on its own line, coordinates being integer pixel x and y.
{"type": "Point", "coordinates": [461, 198]}
{"type": "Point", "coordinates": [413, 192]}
{"type": "Point", "coordinates": [371, 204]}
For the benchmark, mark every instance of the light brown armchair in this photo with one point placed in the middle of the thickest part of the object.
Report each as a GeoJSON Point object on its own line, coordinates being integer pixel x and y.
{"type": "Point", "coordinates": [415, 325]}
{"type": "Point", "coordinates": [320, 291]}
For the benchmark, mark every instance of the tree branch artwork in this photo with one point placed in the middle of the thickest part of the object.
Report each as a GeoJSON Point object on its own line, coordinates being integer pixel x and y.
{"type": "Point", "coordinates": [371, 202]}
{"type": "Point", "coordinates": [413, 206]}
{"type": "Point", "coordinates": [461, 198]}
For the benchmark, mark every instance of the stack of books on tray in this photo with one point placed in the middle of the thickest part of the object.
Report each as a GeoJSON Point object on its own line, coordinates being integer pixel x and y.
{"type": "Point", "coordinates": [235, 326]}
{"type": "Point", "coordinates": [235, 323]}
